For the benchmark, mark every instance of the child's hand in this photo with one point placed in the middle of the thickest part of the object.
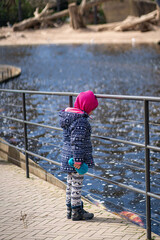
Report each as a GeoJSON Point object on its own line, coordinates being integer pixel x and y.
{"type": "Point", "coordinates": [77, 166]}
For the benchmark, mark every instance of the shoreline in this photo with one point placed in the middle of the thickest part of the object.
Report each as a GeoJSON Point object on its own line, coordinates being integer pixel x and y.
{"type": "Point", "coordinates": [66, 35]}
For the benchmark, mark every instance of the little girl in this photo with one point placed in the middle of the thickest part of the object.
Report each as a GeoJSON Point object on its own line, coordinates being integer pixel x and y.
{"type": "Point", "coordinates": [77, 145]}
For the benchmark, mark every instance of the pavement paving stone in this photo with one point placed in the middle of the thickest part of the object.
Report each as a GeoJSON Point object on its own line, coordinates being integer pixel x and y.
{"type": "Point", "coordinates": [32, 209]}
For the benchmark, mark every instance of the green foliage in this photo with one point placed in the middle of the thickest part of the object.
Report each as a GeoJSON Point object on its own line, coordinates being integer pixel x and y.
{"type": "Point", "coordinates": [10, 14]}
{"type": "Point", "coordinates": [101, 16]}
{"type": "Point", "coordinates": [7, 14]}
{"type": "Point", "coordinates": [27, 9]}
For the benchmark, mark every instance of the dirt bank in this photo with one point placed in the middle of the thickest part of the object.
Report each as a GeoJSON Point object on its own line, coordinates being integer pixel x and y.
{"type": "Point", "coordinates": [66, 35]}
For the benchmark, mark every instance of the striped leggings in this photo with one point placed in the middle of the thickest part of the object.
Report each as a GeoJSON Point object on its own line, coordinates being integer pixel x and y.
{"type": "Point", "coordinates": [74, 189]}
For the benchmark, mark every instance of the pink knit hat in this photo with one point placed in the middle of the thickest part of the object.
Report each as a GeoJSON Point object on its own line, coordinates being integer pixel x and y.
{"type": "Point", "coordinates": [86, 101]}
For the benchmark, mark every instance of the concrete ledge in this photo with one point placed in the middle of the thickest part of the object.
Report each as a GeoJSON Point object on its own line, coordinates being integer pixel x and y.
{"type": "Point", "coordinates": [12, 155]}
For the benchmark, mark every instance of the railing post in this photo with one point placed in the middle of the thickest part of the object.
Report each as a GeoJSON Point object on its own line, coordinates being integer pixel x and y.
{"type": "Point", "coordinates": [147, 169]}
{"type": "Point", "coordinates": [71, 101]}
{"type": "Point", "coordinates": [25, 135]}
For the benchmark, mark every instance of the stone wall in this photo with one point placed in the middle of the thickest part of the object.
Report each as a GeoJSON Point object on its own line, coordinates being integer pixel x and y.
{"type": "Point", "coordinates": [118, 10]}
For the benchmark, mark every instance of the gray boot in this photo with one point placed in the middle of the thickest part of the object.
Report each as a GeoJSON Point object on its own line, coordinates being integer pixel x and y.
{"type": "Point", "coordinates": [80, 214]}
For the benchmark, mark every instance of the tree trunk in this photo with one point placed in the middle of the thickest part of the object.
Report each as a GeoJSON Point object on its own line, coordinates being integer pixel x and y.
{"type": "Point", "coordinates": [19, 11]}
{"type": "Point", "coordinates": [76, 19]}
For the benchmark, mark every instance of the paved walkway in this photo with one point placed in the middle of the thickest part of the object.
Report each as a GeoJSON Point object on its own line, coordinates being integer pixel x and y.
{"type": "Point", "coordinates": [33, 209]}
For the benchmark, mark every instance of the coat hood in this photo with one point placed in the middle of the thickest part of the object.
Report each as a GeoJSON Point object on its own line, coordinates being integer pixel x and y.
{"type": "Point", "coordinates": [67, 118]}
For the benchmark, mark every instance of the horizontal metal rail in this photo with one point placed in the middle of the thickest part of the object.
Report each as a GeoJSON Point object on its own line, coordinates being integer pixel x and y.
{"type": "Point", "coordinates": [88, 174]}
{"type": "Point", "coordinates": [146, 146]}
{"type": "Point", "coordinates": [95, 136]}
{"type": "Point", "coordinates": [108, 96]}
{"type": "Point", "coordinates": [31, 123]}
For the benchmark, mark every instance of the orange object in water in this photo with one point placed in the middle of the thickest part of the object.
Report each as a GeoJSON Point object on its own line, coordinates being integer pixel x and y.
{"type": "Point", "coordinates": [1, 110]}
{"type": "Point", "coordinates": [132, 217]}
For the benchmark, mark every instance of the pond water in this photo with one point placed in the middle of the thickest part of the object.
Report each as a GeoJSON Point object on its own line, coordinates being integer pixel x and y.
{"type": "Point", "coordinates": [106, 69]}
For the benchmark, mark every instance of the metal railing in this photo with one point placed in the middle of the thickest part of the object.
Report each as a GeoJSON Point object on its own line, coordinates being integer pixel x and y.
{"type": "Point", "coordinates": [146, 146]}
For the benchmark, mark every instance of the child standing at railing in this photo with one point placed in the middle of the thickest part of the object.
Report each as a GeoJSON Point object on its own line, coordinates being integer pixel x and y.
{"type": "Point", "coordinates": [77, 145]}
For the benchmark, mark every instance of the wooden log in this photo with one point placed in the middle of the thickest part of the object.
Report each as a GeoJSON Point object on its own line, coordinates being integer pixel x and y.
{"type": "Point", "coordinates": [46, 15]}
{"type": "Point", "coordinates": [76, 19]}
{"type": "Point", "coordinates": [76, 15]}
{"type": "Point", "coordinates": [37, 19]}
{"type": "Point", "coordinates": [36, 12]}
{"type": "Point", "coordinates": [130, 22]}
{"type": "Point", "coordinates": [28, 23]}
{"type": "Point", "coordinates": [107, 26]}
{"type": "Point", "coordinates": [31, 22]}
{"type": "Point", "coordinates": [46, 11]}
{"type": "Point", "coordinates": [57, 15]}
{"type": "Point", "coordinates": [144, 23]}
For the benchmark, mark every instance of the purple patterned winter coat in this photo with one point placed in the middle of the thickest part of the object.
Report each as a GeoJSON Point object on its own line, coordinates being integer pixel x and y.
{"type": "Point", "coordinates": [76, 139]}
